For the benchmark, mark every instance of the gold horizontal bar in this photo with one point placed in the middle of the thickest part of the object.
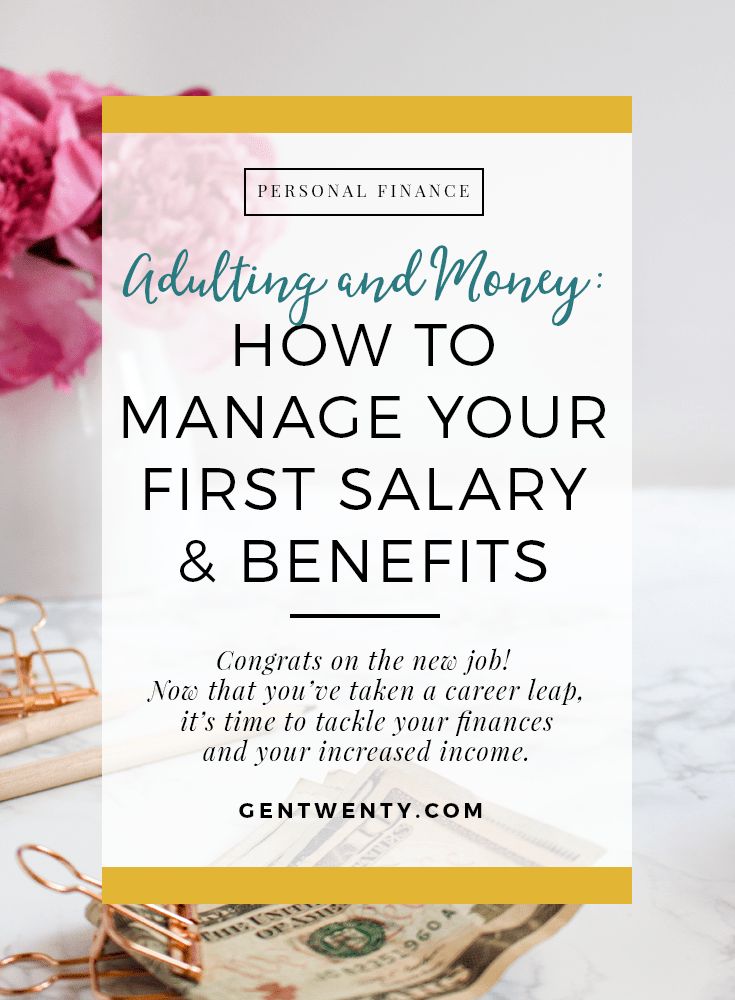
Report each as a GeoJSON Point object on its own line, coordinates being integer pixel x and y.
{"type": "Point", "coordinates": [369, 885]}
{"type": "Point", "coordinates": [367, 114]}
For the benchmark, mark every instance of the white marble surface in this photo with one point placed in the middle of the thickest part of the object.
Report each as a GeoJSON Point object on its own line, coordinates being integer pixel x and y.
{"type": "Point", "coordinates": [677, 940]}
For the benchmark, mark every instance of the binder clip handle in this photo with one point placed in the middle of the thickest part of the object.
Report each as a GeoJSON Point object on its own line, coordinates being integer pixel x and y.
{"type": "Point", "coordinates": [84, 881]}
{"type": "Point", "coordinates": [23, 599]}
{"type": "Point", "coordinates": [66, 969]}
{"type": "Point", "coordinates": [62, 969]}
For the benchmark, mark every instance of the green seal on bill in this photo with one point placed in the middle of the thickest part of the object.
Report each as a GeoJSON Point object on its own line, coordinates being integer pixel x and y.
{"type": "Point", "coordinates": [348, 938]}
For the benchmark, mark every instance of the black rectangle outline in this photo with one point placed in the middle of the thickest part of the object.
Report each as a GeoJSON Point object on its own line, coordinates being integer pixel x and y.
{"type": "Point", "coordinates": [363, 215]}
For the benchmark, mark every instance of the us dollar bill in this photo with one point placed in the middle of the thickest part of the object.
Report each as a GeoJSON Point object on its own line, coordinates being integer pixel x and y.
{"type": "Point", "coordinates": [372, 952]}
{"type": "Point", "coordinates": [350, 951]}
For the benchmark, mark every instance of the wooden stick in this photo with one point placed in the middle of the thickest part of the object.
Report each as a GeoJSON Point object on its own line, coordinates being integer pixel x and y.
{"type": "Point", "coordinates": [42, 726]}
{"type": "Point", "coordinates": [52, 772]}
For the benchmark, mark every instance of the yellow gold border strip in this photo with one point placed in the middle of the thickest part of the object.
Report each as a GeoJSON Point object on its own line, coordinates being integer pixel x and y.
{"type": "Point", "coordinates": [369, 885]}
{"type": "Point", "coordinates": [367, 114]}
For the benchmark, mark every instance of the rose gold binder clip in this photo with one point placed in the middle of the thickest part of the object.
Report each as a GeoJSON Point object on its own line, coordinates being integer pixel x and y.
{"type": "Point", "coordinates": [33, 686]}
{"type": "Point", "coordinates": [172, 940]}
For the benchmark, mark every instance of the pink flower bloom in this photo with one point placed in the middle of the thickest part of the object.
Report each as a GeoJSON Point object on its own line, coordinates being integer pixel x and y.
{"type": "Point", "coordinates": [26, 178]}
{"type": "Point", "coordinates": [50, 205]}
{"type": "Point", "coordinates": [168, 192]}
{"type": "Point", "coordinates": [43, 328]}
{"type": "Point", "coordinates": [50, 167]}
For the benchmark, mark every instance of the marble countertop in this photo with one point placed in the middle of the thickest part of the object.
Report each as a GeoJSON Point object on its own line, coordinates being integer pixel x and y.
{"type": "Point", "coordinates": [677, 940]}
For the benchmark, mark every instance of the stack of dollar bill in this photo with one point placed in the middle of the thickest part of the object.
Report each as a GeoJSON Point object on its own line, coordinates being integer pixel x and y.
{"type": "Point", "coordinates": [323, 951]}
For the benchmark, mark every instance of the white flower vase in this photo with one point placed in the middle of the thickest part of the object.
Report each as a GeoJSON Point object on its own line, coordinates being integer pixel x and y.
{"type": "Point", "coordinates": [50, 488]}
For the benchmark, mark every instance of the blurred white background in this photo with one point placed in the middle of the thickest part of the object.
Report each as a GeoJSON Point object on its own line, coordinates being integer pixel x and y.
{"type": "Point", "coordinates": [675, 58]}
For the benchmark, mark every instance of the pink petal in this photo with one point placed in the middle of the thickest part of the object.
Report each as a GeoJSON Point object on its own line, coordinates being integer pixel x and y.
{"type": "Point", "coordinates": [90, 122]}
{"type": "Point", "coordinates": [43, 329]}
{"type": "Point", "coordinates": [61, 124]}
{"type": "Point", "coordinates": [14, 117]}
{"type": "Point", "coordinates": [92, 215]}
{"type": "Point", "coordinates": [27, 353]}
{"type": "Point", "coordinates": [77, 182]}
{"type": "Point", "coordinates": [74, 245]}
{"type": "Point", "coordinates": [68, 87]}
{"type": "Point", "coordinates": [33, 95]}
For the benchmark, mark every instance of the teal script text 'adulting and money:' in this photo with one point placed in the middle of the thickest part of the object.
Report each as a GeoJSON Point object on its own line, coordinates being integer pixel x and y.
{"type": "Point", "coordinates": [233, 278]}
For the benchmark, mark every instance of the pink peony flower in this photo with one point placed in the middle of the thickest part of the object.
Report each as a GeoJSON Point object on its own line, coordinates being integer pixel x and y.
{"type": "Point", "coordinates": [166, 192]}
{"type": "Point", "coordinates": [26, 178]}
{"type": "Point", "coordinates": [50, 207]}
{"type": "Point", "coordinates": [43, 328]}
{"type": "Point", "coordinates": [51, 168]}
{"type": "Point", "coordinates": [170, 191]}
